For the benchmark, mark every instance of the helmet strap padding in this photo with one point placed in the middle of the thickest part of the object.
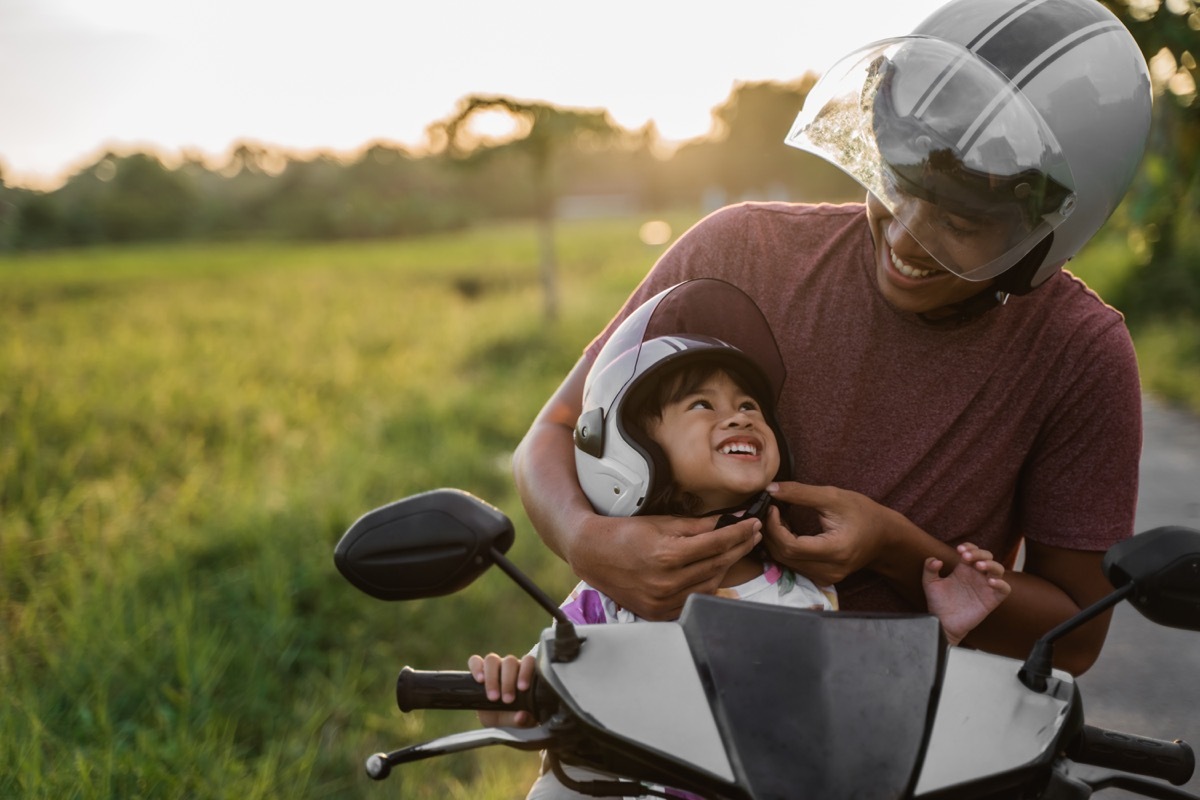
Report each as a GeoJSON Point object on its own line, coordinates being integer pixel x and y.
{"type": "Point", "coordinates": [1018, 279]}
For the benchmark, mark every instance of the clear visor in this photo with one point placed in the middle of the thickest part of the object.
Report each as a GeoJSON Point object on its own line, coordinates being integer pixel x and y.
{"type": "Point", "coordinates": [703, 307]}
{"type": "Point", "coordinates": [948, 144]}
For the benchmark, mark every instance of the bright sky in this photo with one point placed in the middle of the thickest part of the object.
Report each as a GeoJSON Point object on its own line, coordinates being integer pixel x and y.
{"type": "Point", "coordinates": [80, 76]}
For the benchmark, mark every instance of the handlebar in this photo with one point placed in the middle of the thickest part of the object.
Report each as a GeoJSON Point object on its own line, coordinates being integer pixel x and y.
{"type": "Point", "coordinates": [1171, 761]}
{"type": "Point", "coordinates": [449, 689]}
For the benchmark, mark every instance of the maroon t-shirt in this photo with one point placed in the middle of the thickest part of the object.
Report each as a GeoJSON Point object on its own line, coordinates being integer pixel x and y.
{"type": "Point", "coordinates": [1023, 422]}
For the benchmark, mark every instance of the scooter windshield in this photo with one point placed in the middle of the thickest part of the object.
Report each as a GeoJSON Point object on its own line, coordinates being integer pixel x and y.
{"type": "Point", "coordinates": [702, 307]}
{"type": "Point", "coordinates": [815, 704]}
{"type": "Point", "coordinates": [748, 700]}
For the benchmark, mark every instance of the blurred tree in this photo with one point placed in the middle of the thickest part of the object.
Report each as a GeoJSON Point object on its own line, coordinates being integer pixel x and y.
{"type": "Point", "coordinates": [1162, 206]}
{"type": "Point", "coordinates": [145, 200]}
{"type": "Point", "coordinates": [542, 131]}
{"type": "Point", "coordinates": [745, 158]}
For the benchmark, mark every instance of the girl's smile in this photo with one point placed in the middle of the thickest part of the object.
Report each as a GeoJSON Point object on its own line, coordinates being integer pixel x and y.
{"type": "Point", "coordinates": [718, 443]}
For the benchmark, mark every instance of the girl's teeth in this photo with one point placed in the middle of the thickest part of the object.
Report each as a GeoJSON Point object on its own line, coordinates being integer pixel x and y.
{"type": "Point", "coordinates": [905, 269]}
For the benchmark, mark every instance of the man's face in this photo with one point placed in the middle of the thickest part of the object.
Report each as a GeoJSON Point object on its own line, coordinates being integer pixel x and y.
{"type": "Point", "coordinates": [718, 443]}
{"type": "Point", "coordinates": [908, 276]}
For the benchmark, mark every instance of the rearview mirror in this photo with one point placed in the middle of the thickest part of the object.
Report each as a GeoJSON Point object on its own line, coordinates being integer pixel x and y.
{"type": "Point", "coordinates": [427, 545]}
{"type": "Point", "coordinates": [1164, 567]}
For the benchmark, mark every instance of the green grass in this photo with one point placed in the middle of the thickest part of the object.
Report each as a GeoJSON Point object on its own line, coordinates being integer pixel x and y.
{"type": "Point", "coordinates": [185, 433]}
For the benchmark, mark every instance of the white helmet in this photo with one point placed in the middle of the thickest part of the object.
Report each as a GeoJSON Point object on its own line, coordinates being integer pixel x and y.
{"type": "Point", "coordinates": [1033, 113]}
{"type": "Point", "coordinates": [619, 467]}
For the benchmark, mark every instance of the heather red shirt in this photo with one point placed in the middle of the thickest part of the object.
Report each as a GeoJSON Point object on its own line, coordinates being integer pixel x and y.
{"type": "Point", "coordinates": [1023, 422]}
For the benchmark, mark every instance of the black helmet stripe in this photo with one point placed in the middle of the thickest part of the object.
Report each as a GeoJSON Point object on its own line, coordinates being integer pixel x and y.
{"type": "Point", "coordinates": [1029, 72]}
{"type": "Point", "coordinates": [1064, 47]}
{"type": "Point", "coordinates": [1021, 43]}
{"type": "Point", "coordinates": [1037, 32]}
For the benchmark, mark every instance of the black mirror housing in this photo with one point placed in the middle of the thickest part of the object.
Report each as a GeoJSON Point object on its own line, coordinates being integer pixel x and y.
{"type": "Point", "coordinates": [427, 545]}
{"type": "Point", "coordinates": [1163, 565]}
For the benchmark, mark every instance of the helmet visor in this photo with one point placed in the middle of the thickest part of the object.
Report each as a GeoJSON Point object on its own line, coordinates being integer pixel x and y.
{"type": "Point", "coordinates": [948, 144]}
{"type": "Point", "coordinates": [703, 307]}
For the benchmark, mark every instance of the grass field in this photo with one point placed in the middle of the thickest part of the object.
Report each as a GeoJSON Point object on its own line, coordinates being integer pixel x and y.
{"type": "Point", "coordinates": [185, 432]}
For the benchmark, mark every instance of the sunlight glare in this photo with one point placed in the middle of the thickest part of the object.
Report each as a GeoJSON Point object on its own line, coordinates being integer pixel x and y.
{"type": "Point", "coordinates": [655, 232]}
{"type": "Point", "coordinates": [493, 126]}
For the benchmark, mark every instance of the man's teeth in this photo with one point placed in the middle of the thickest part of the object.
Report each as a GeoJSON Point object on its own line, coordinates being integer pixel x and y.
{"type": "Point", "coordinates": [740, 447]}
{"type": "Point", "coordinates": [911, 272]}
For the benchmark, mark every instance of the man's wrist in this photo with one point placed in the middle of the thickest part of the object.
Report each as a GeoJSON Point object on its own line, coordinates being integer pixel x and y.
{"type": "Point", "coordinates": [904, 548]}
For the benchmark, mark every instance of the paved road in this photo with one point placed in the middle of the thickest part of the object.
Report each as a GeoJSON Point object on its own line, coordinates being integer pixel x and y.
{"type": "Point", "coordinates": [1147, 680]}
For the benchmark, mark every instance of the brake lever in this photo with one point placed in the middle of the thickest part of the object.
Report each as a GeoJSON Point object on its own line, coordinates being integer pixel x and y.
{"type": "Point", "coordinates": [536, 738]}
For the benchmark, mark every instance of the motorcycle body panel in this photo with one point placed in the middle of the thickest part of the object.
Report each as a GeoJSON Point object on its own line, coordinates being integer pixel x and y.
{"type": "Point", "coordinates": [990, 729]}
{"type": "Point", "coordinates": [850, 695]}
{"type": "Point", "coordinates": [638, 683]}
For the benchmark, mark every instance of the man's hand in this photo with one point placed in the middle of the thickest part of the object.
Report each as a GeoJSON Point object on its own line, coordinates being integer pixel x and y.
{"type": "Point", "coordinates": [855, 532]}
{"type": "Point", "coordinates": [650, 565]}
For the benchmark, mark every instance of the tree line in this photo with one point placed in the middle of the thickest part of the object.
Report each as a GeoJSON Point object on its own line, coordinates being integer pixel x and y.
{"type": "Point", "coordinates": [556, 155]}
{"type": "Point", "coordinates": [561, 160]}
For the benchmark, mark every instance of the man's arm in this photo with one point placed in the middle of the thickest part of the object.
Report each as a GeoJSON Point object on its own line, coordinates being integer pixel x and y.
{"type": "Point", "coordinates": [646, 564]}
{"type": "Point", "coordinates": [858, 533]}
{"type": "Point", "coordinates": [1054, 585]}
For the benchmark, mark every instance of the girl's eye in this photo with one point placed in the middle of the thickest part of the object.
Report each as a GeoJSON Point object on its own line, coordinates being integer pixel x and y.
{"type": "Point", "coordinates": [748, 406]}
{"type": "Point", "coordinates": [700, 404]}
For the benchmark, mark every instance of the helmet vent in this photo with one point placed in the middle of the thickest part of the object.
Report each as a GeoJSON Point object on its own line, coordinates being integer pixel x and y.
{"type": "Point", "coordinates": [589, 432]}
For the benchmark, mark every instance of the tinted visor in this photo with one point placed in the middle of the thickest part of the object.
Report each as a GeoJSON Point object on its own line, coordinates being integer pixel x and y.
{"type": "Point", "coordinates": [948, 144]}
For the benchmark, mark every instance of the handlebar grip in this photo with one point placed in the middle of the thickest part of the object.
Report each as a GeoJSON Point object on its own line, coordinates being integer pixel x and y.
{"type": "Point", "coordinates": [1171, 761]}
{"type": "Point", "coordinates": [451, 689]}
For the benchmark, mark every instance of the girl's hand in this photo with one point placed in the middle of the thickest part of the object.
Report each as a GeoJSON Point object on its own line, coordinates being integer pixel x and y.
{"type": "Point", "coordinates": [963, 598]}
{"type": "Point", "coordinates": [502, 678]}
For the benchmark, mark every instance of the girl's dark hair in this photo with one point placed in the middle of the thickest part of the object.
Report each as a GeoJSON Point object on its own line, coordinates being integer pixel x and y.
{"type": "Point", "coordinates": [644, 407]}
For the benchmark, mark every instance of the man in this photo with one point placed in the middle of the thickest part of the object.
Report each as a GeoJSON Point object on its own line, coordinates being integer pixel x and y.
{"type": "Point", "coordinates": [946, 380]}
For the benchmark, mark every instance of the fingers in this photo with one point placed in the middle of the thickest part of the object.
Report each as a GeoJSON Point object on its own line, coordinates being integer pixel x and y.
{"type": "Point", "coordinates": [822, 557]}
{"type": "Point", "coordinates": [980, 559]}
{"type": "Point", "coordinates": [502, 676]}
{"type": "Point", "coordinates": [706, 541]}
{"type": "Point", "coordinates": [803, 494]}
{"type": "Point", "coordinates": [932, 570]}
{"type": "Point", "coordinates": [693, 560]}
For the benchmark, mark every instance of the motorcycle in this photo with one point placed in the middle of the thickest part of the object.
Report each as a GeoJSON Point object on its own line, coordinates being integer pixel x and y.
{"type": "Point", "coordinates": [862, 705]}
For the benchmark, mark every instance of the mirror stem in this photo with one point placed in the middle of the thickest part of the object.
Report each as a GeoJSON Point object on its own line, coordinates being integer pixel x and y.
{"type": "Point", "coordinates": [566, 640]}
{"type": "Point", "coordinates": [1037, 668]}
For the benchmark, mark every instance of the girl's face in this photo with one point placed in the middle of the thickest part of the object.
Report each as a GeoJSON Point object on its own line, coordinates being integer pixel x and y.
{"type": "Point", "coordinates": [909, 278]}
{"type": "Point", "coordinates": [718, 443]}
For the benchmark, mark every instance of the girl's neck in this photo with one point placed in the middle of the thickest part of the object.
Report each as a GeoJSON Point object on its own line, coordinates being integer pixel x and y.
{"type": "Point", "coordinates": [744, 569]}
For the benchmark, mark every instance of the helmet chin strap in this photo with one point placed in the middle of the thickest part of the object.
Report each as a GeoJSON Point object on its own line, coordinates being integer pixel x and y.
{"type": "Point", "coordinates": [757, 507]}
{"type": "Point", "coordinates": [1017, 279]}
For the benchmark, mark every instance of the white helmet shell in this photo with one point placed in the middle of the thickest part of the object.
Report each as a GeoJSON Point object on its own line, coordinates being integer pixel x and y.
{"type": "Point", "coordinates": [706, 318]}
